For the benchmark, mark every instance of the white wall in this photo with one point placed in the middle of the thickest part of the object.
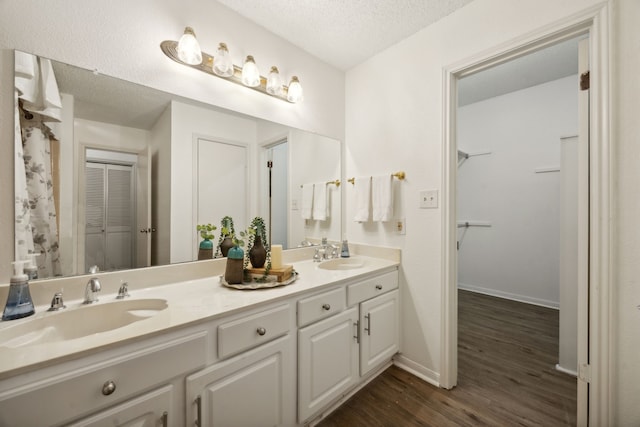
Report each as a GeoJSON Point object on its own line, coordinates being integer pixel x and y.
{"type": "Point", "coordinates": [187, 121]}
{"type": "Point", "coordinates": [121, 38]}
{"type": "Point", "coordinates": [317, 159]}
{"type": "Point", "coordinates": [518, 256]}
{"type": "Point", "coordinates": [625, 268]}
{"type": "Point", "coordinates": [161, 189]}
{"type": "Point", "coordinates": [90, 134]}
{"type": "Point", "coordinates": [394, 121]}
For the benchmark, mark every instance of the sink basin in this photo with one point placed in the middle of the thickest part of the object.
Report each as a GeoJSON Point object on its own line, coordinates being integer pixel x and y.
{"type": "Point", "coordinates": [79, 322]}
{"type": "Point", "coordinates": [342, 264]}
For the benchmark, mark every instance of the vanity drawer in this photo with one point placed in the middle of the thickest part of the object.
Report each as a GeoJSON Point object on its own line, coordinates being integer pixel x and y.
{"type": "Point", "coordinates": [320, 306]}
{"type": "Point", "coordinates": [92, 387]}
{"type": "Point", "coordinates": [250, 331]}
{"type": "Point", "coordinates": [370, 288]}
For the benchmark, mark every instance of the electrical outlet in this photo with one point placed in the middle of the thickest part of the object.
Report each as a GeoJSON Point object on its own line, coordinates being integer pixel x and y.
{"type": "Point", "coordinates": [401, 226]}
{"type": "Point", "coordinates": [294, 204]}
{"type": "Point", "coordinates": [428, 199]}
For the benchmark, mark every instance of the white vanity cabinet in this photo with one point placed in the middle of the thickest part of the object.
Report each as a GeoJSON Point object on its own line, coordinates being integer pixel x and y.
{"type": "Point", "coordinates": [377, 299]}
{"type": "Point", "coordinates": [132, 385]}
{"type": "Point", "coordinates": [256, 385]}
{"type": "Point", "coordinates": [347, 341]}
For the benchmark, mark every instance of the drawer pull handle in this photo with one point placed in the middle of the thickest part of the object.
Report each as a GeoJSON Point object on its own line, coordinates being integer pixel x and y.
{"type": "Point", "coordinates": [198, 422]}
{"type": "Point", "coordinates": [379, 287]}
{"type": "Point", "coordinates": [326, 307]}
{"type": "Point", "coordinates": [165, 419]}
{"type": "Point", "coordinates": [108, 388]}
{"type": "Point", "coordinates": [261, 331]}
{"type": "Point", "coordinates": [368, 328]}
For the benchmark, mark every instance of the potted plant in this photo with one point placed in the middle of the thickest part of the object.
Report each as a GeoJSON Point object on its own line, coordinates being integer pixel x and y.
{"type": "Point", "coordinates": [227, 234]}
{"type": "Point", "coordinates": [234, 270]}
{"type": "Point", "coordinates": [205, 249]}
{"type": "Point", "coordinates": [258, 245]}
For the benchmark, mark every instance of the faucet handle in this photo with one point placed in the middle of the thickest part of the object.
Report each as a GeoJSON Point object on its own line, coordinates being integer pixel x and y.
{"type": "Point", "coordinates": [123, 292]}
{"type": "Point", "coordinates": [57, 303]}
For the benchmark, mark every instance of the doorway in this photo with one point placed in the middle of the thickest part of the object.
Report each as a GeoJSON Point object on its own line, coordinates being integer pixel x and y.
{"type": "Point", "coordinates": [110, 200]}
{"type": "Point", "coordinates": [278, 182]}
{"type": "Point", "coordinates": [593, 311]}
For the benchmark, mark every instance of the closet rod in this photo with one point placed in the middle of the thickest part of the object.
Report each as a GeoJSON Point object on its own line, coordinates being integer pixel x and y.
{"type": "Point", "coordinates": [400, 175]}
{"type": "Point", "coordinates": [467, 224]}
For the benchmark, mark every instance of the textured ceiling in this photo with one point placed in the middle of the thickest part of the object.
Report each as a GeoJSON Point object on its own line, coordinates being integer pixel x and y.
{"type": "Point", "coordinates": [344, 33]}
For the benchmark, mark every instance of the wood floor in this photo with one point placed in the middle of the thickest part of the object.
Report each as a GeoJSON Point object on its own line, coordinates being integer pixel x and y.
{"type": "Point", "coordinates": [507, 353]}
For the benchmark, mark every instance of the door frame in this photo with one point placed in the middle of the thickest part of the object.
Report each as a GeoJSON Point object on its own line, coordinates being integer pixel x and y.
{"type": "Point", "coordinates": [596, 405]}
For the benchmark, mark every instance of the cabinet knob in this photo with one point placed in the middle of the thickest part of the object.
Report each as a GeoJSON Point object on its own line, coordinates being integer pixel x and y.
{"type": "Point", "coordinates": [326, 307]}
{"type": "Point", "coordinates": [261, 331]}
{"type": "Point", "coordinates": [379, 287]}
{"type": "Point", "coordinates": [108, 388]}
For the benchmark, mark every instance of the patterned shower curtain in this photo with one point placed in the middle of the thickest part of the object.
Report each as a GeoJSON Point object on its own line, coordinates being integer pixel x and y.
{"type": "Point", "coordinates": [37, 103]}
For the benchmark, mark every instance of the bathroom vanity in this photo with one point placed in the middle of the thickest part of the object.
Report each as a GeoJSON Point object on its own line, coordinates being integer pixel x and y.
{"type": "Point", "coordinates": [213, 356]}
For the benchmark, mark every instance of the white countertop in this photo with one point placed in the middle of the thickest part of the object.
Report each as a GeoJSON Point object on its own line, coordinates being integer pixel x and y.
{"type": "Point", "coordinates": [189, 302]}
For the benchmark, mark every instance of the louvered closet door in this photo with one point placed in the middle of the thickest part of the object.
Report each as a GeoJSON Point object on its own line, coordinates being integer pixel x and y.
{"type": "Point", "coordinates": [110, 216]}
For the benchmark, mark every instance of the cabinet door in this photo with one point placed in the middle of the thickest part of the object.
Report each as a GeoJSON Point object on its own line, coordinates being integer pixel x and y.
{"type": "Point", "coordinates": [255, 388]}
{"type": "Point", "coordinates": [149, 410]}
{"type": "Point", "coordinates": [327, 361]}
{"type": "Point", "coordinates": [379, 330]}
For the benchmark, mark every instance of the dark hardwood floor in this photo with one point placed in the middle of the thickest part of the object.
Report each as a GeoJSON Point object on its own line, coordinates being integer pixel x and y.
{"type": "Point", "coordinates": [507, 353]}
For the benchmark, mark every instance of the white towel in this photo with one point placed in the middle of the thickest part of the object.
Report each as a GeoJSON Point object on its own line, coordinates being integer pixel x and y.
{"type": "Point", "coordinates": [307, 201]}
{"type": "Point", "coordinates": [320, 201]}
{"type": "Point", "coordinates": [362, 187]}
{"type": "Point", "coordinates": [382, 197]}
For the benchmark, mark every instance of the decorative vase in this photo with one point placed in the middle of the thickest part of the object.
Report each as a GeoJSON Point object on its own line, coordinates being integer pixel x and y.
{"type": "Point", "coordinates": [258, 253]}
{"type": "Point", "coordinates": [205, 250]}
{"type": "Point", "coordinates": [227, 243]}
{"type": "Point", "coordinates": [234, 271]}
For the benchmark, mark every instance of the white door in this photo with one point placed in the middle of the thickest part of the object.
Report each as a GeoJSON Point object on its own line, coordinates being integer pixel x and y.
{"type": "Point", "coordinates": [379, 331]}
{"type": "Point", "coordinates": [327, 361]}
{"type": "Point", "coordinates": [109, 216]}
{"type": "Point", "coordinates": [252, 389]}
{"type": "Point", "coordinates": [278, 194]}
{"type": "Point", "coordinates": [583, 238]}
{"type": "Point", "coordinates": [149, 410]}
{"type": "Point", "coordinates": [220, 185]}
{"type": "Point", "coordinates": [144, 227]}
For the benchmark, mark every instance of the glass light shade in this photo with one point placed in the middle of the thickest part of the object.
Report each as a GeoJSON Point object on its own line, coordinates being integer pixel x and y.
{"type": "Point", "coordinates": [189, 48]}
{"type": "Point", "coordinates": [222, 64]}
{"type": "Point", "coordinates": [274, 82]}
{"type": "Point", "coordinates": [250, 73]}
{"type": "Point", "coordinates": [294, 94]}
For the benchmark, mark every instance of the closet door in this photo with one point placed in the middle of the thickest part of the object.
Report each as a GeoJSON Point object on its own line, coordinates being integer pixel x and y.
{"type": "Point", "coordinates": [110, 209]}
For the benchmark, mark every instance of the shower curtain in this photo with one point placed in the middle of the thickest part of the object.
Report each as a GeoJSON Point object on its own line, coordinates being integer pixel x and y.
{"type": "Point", "coordinates": [37, 108]}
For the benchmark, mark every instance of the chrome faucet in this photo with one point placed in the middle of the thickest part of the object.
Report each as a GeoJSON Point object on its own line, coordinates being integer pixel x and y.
{"type": "Point", "coordinates": [92, 288]}
{"type": "Point", "coordinates": [57, 303]}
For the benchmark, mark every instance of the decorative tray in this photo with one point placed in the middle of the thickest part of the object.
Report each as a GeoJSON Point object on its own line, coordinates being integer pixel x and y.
{"type": "Point", "coordinates": [270, 282]}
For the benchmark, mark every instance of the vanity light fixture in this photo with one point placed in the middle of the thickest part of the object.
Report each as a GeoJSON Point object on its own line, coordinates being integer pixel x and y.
{"type": "Point", "coordinates": [294, 93]}
{"type": "Point", "coordinates": [222, 64]}
{"type": "Point", "coordinates": [250, 73]}
{"type": "Point", "coordinates": [274, 82]}
{"type": "Point", "coordinates": [187, 52]}
{"type": "Point", "coordinates": [189, 48]}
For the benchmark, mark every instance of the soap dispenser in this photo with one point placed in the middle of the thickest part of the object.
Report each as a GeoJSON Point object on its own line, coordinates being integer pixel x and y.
{"type": "Point", "coordinates": [19, 303]}
{"type": "Point", "coordinates": [31, 267]}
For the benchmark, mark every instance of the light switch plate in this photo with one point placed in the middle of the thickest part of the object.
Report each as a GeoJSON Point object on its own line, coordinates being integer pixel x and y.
{"type": "Point", "coordinates": [428, 199]}
{"type": "Point", "coordinates": [294, 204]}
{"type": "Point", "coordinates": [401, 226]}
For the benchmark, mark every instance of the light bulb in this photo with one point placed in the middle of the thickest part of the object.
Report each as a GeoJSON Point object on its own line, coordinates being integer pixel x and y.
{"type": "Point", "coordinates": [189, 48]}
{"type": "Point", "coordinates": [274, 82]}
{"type": "Point", "coordinates": [250, 73]}
{"type": "Point", "coordinates": [222, 64]}
{"type": "Point", "coordinates": [294, 94]}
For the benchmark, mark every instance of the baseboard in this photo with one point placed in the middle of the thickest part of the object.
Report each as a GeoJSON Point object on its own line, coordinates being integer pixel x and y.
{"type": "Point", "coordinates": [416, 369]}
{"type": "Point", "coordinates": [566, 371]}
{"type": "Point", "coordinates": [510, 296]}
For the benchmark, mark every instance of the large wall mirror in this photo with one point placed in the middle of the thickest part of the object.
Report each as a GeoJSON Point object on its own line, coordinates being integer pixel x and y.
{"type": "Point", "coordinates": [118, 175]}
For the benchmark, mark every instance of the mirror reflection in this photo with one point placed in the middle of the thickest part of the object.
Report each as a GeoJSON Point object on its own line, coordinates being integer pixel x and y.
{"type": "Point", "coordinates": [118, 175]}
